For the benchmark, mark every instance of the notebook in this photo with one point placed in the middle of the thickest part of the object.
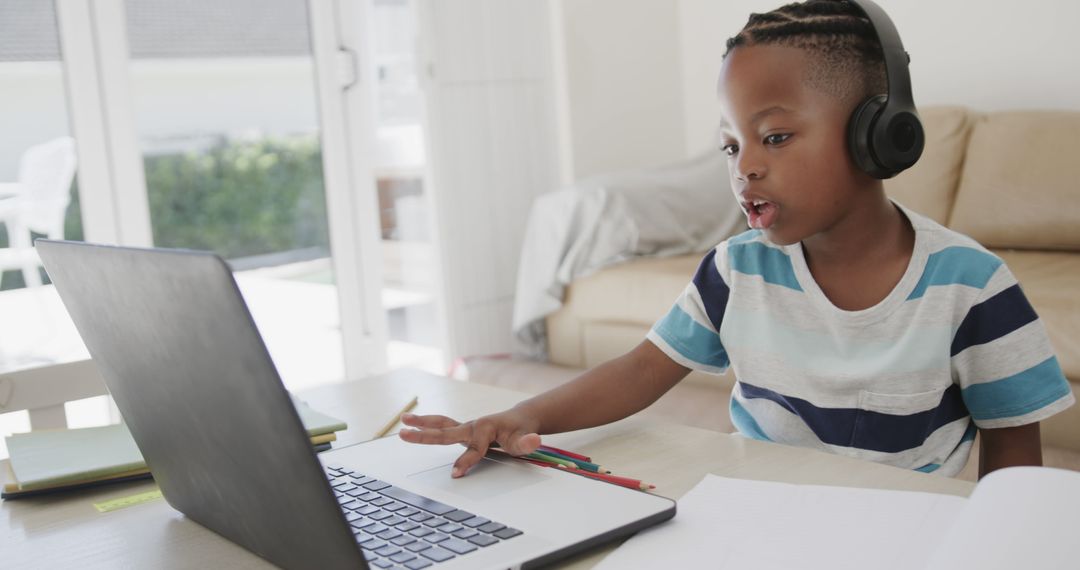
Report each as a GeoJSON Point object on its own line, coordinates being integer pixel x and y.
{"type": "Point", "coordinates": [184, 361]}
{"type": "Point", "coordinates": [52, 460]}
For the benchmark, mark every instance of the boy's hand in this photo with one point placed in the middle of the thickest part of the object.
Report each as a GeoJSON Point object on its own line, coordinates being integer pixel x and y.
{"type": "Point", "coordinates": [512, 430]}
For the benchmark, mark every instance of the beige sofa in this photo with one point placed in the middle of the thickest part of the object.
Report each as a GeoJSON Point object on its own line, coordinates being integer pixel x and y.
{"type": "Point", "coordinates": [1011, 180]}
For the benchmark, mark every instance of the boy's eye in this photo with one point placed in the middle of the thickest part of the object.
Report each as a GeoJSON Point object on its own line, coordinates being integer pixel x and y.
{"type": "Point", "coordinates": [777, 138]}
{"type": "Point", "coordinates": [730, 149]}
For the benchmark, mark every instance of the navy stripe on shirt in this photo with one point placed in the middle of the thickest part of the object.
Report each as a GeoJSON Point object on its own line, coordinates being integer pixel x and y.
{"type": "Point", "coordinates": [866, 429]}
{"type": "Point", "coordinates": [993, 318]}
{"type": "Point", "coordinates": [712, 289]}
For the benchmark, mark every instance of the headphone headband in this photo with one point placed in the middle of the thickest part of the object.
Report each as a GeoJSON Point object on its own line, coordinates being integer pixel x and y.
{"type": "Point", "coordinates": [896, 59]}
{"type": "Point", "coordinates": [884, 133]}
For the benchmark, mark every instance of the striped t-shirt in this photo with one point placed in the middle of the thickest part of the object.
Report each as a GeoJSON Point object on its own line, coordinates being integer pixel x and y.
{"type": "Point", "coordinates": [954, 347]}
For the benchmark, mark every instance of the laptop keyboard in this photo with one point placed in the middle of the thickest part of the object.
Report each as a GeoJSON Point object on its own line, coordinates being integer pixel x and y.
{"type": "Point", "coordinates": [399, 529]}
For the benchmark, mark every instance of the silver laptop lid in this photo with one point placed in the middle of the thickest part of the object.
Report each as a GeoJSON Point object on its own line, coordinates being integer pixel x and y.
{"type": "Point", "coordinates": [180, 354]}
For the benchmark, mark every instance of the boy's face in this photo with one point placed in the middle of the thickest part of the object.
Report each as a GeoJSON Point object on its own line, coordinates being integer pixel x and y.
{"type": "Point", "coordinates": [786, 142]}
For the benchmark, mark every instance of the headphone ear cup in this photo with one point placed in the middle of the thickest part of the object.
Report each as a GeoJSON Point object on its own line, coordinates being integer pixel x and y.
{"type": "Point", "coordinates": [898, 140]}
{"type": "Point", "coordinates": [861, 136]}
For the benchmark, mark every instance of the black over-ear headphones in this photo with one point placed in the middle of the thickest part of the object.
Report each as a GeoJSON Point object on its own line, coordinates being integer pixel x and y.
{"type": "Point", "coordinates": [884, 133]}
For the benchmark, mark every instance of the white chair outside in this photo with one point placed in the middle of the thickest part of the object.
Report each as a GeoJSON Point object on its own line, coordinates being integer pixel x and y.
{"type": "Point", "coordinates": [43, 391]}
{"type": "Point", "coordinates": [36, 203]}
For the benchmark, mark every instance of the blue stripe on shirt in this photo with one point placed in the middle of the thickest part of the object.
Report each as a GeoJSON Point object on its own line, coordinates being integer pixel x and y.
{"type": "Point", "coordinates": [1019, 394]}
{"type": "Point", "coordinates": [748, 235]}
{"type": "Point", "coordinates": [691, 339]}
{"type": "Point", "coordinates": [956, 265]}
{"type": "Point", "coordinates": [867, 429]}
{"type": "Point", "coordinates": [993, 318]}
{"type": "Point", "coordinates": [969, 434]}
{"type": "Point", "coordinates": [745, 423]}
{"type": "Point", "coordinates": [712, 289]}
{"type": "Point", "coordinates": [920, 348]}
{"type": "Point", "coordinates": [756, 258]}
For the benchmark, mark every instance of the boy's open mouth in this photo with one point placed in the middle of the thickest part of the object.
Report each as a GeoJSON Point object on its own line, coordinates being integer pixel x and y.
{"type": "Point", "coordinates": [760, 214]}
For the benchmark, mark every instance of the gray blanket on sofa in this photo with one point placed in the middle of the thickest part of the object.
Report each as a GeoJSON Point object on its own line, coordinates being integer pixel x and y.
{"type": "Point", "coordinates": [671, 210]}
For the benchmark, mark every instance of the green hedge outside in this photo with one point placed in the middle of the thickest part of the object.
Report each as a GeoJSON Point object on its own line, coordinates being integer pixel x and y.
{"type": "Point", "coordinates": [238, 198]}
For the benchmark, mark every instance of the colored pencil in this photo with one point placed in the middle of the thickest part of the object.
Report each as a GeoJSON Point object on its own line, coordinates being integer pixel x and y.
{"type": "Point", "coordinates": [582, 464]}
{"type": "Point", "coordinates": [498, 449]}
{"type": "Point", "coordinates": [538, 462]}
{"type": "Point", "coordinates": [397, 418]}
{"type": "Point", "coordinates": [614, 479]}
{"type": "Point", "coordinates": [622, 481]}
{"type": "Point", "coordinates": [541, 463]}
{"type": "Point", "coordinates": [577, 456]}
{"type": "Point", "coordinates": [550, 459]}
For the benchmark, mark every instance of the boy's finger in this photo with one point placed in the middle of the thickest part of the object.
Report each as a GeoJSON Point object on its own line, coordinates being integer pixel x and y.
{"type": "Point", "coordinates": [481, 435]}
{"type": "Point", "coordinates": [431, 421]}
{"type": "Point", "coordinates": [436, 436]}
{"type": "Point", "coordinates": [523, 444]}
{"type": "Point", "coordinates": [471, 457]}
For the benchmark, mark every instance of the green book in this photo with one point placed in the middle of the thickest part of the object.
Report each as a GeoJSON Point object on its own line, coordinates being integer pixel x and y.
{"type": "Point", "coordinates": [316, 422]}
{"type": "Point", "coordinates": [56, 458]}
{"type": "Point", "coordinates": [51, 459]}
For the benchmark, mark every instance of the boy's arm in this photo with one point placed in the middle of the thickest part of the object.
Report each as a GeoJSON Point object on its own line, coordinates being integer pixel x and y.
{"type": "Point", "coordinates": [606, 393]}
{"type": "Point", "coordinates": [1009, 447]}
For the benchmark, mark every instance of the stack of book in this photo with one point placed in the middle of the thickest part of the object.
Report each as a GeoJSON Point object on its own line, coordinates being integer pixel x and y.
{"type": "Point", "coordinates": [54, 460]}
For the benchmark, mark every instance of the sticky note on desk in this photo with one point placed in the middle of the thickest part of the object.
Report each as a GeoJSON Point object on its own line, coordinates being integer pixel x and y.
{"type": "Point", "coordinates": [129, 501]}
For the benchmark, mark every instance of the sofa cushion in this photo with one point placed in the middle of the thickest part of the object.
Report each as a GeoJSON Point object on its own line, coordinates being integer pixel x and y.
{"type": "Point", "coordinates": [634, 293]}
{"type": "Point", "coordinates": [929, 187]}
{"type": "Point", "coordinates": [1049, 280]}
{"type": "Point", "coordinates": [1019, 182]}
{"type": "Point", "coordinates": [639, 292]}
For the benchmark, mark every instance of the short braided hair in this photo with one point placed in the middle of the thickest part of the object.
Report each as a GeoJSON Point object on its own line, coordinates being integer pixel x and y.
{"type": "Point", "coordinates": [846, 55]}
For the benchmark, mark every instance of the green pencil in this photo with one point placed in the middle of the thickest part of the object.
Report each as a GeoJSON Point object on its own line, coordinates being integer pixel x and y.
{"type": "Point", "coordinates": [549, 459]}
{"type": "Point", "coordinates": [582, 464]}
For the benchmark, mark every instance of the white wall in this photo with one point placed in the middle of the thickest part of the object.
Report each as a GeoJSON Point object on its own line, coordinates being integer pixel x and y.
{"type": "Point", "coordinates": [623, 83]}
{"type": "Point", "coordinates": [490, 104]}
{"type": "Point", "coordinates": [987, 55]}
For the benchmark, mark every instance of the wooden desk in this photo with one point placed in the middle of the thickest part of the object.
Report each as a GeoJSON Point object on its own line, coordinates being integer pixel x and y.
{"type": "Point", "coordinates": [66, 531]}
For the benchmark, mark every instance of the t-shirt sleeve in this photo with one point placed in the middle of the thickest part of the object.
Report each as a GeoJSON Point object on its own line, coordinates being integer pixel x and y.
{"type": "Point", "coordinates": [689, 333]}
{"type": "Point", "coordinates": [1003, 360]}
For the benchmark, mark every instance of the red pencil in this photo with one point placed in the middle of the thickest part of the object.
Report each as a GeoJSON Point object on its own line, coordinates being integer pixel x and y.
{"type": "Point", "coordinates": [614, 479]}
{"type": "Point", "coordinates": [623, 481]}
{"type": "Point", "coordinates": [567, 453]}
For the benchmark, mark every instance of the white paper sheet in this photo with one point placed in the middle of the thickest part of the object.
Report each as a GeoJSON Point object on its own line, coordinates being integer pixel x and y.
{"type": "Point", "coordinates": [1021, 517]}
{"type": "Point", "coordinates": [740, 524]}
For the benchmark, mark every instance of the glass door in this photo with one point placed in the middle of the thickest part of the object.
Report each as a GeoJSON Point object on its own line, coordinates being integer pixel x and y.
{"type": "Point", "coordinates": [225, 107]}
{"type": "Point", "coordinates": [283, 134]}
{"type": "Point", "coordinates": [411, 289]}
{"type": "Point", "coordinates": [39, 197]}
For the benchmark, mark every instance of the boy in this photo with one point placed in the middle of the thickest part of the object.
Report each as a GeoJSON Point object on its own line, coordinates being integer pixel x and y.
{"type": "Point", "coordinates": [854, 325]}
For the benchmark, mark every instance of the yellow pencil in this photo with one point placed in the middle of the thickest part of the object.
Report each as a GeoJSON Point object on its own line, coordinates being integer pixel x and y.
{"type": "Point", "coordinates": [397, 418]}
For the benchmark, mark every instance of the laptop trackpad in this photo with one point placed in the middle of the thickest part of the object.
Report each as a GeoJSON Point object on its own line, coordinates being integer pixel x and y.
{"type": "Point", "coordinates": [487, 479]}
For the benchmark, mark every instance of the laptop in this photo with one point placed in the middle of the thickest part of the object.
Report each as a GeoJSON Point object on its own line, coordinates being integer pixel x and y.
{"type": "Point", "coordinates": [171, 335]}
